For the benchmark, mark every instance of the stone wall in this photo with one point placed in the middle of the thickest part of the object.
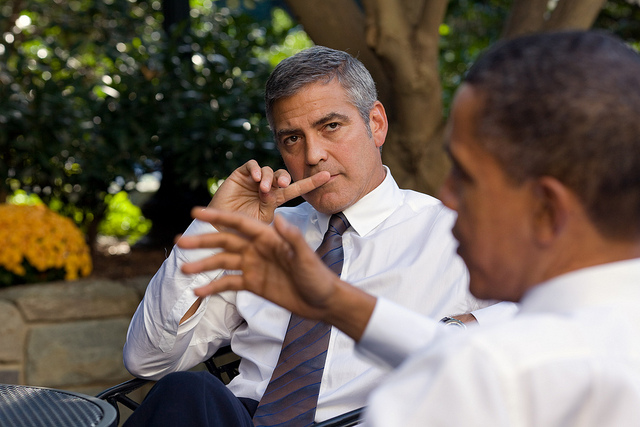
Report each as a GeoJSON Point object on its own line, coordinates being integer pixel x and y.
{"type": "Point", "coordinates": [67, 335]}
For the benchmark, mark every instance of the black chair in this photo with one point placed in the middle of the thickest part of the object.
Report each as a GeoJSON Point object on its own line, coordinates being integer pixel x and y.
{"type": "Point", "coordinates": [224, 365]}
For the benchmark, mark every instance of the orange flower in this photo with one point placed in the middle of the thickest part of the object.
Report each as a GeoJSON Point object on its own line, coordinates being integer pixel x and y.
{"type": "Point", "coordinates": [42, 238]}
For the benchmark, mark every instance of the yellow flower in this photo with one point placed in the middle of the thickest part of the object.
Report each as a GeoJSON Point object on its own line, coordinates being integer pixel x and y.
{"type": "Point", "coordinates": [44, 241]}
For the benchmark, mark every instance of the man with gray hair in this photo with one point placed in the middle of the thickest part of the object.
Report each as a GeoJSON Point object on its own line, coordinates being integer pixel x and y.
{"type": "Point", "coordinates": [329, 128]}
{"type": "Point", "coordinates": [545, 143]}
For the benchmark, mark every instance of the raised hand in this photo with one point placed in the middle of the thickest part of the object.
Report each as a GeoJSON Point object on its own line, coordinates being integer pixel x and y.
{"type": "Point", "coordinates": [277, 264]}
{"type": "Point", "coordinates": [257, 191]}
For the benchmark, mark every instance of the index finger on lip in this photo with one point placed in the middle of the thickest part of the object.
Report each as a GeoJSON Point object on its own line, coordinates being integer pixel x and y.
{"type": "Point", "coordinates": [306, 185]}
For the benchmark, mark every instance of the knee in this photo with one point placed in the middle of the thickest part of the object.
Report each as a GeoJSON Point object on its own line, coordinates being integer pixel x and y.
{"type": "Point", "coordinates": [186, 382]}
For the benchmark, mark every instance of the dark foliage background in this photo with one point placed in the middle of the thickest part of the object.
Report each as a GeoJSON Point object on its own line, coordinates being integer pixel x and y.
{"type": "Point", "coordinates": [95, 93]}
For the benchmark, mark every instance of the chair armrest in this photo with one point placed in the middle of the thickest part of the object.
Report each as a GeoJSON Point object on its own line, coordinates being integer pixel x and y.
{"type": "Point", "coordinates": [123, 388]}
{"type": "Point", "coordinates": [118, 394]}
{"type": "Point", "coordinates": [347, 419]}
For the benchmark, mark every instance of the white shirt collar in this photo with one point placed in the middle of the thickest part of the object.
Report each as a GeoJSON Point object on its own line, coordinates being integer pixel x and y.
{"type": "Point", "coordinates": [601, 284]}
{"type": "Point", "coordinates": [372, 209]}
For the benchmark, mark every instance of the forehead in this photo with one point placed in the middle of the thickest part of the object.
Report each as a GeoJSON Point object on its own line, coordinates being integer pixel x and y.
{"type": "Point", "coordinates": [312, 102]}
{"type": "Point", "coordinates": [463, 141]}
{"type": "Point", "coordinates": [462, 126]}
{"type": "Point", "coordinates": [466, 149]}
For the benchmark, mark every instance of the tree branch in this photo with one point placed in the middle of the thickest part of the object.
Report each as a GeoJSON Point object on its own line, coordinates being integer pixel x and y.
{"type": "Point", "coordinates": [386, 28]}
{"type": "Point", "coordinates": [525, 17]}
{"type": "Point", "coordinates": [574, 14]}
{"type": "Point", "coordinates": [342, 27]}
{"type": "Point", "coordinates": [431, 16]}
{"type": "Point", "coordinates": [409, 52]}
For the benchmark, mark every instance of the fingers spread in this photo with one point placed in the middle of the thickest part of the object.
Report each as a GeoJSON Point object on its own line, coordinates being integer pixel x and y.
{"type": "Point", "coordinates": [291, 235]}
{"type": "Point", "coordinates": [241, 223]}
{"type": "Point", "coordinates": [225, 283]}
{"type": "Point", "coordinates": [227, 241]}
{"type": "Point", "coordinates": [223, 260]}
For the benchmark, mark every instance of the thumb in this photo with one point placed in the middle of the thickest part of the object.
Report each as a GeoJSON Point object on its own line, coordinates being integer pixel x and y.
{"type": "Point", "coordinates": [291, 235]}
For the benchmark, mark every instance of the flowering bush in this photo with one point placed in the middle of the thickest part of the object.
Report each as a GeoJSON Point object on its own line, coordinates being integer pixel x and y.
{"type": "Point", "coordinates": [39, 245]}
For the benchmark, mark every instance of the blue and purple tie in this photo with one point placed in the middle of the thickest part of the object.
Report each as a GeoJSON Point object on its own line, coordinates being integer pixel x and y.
{"type": "Point", "coordinates": [292, 394]}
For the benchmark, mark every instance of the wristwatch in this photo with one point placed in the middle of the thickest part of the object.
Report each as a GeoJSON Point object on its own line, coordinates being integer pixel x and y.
{"type": "Point", "coordinates": [450, 321]}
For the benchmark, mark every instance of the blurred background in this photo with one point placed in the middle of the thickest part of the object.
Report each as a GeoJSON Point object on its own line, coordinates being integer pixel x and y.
{"type": "Point", "coordinates": [120, 115]}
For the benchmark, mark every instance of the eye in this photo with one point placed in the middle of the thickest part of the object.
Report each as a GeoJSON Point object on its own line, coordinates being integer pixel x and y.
{"type": "Point", "coordinates": [290, 140]}
{"type": "Point", "coordinates": [457, 177]}
{"type": "Point", "coordinates": [456, 173]}
{"type": "Point", "coordinates": [333, 125]}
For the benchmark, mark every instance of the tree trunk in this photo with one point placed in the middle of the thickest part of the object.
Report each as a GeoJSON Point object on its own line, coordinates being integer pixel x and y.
{"type": "Point", "coordinates": [525, 17]}
{"type": "Point", "coordinates": [574, 14]}
{"type": "Point", "coordinates": [405, 36]}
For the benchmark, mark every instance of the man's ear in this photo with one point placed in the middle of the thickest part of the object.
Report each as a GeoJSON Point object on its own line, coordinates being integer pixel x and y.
{"type": "Point", "coordinates": [378, 123]}
{"type": "Point", "coordinates": [552, 208]}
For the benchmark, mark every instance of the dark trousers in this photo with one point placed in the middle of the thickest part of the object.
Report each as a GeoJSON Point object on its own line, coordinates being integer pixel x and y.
{"type": "Point", "coordinates": [192, 399]}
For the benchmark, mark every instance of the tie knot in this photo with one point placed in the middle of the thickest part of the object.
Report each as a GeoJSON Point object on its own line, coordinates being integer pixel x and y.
{"type": "Point", "coordinates": [338, 223]}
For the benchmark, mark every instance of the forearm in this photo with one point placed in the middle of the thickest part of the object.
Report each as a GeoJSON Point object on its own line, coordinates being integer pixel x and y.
{"type": "Point", "coordinates": [156, 341]}
{"type": "Point", "coordinates": [166, 321]}
{"type": "Point", "coordinates": [192, 310]}
{"type": "Point", "coordinates": [394, 333]}
{"type": "Point", "coordinates": [152, 349]}
{"type": "Point", "coordinates": [350, 309]}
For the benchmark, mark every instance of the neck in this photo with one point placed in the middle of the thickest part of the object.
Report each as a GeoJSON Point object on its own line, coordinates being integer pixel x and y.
{"type": "Point", "coordinates": [600, 252]}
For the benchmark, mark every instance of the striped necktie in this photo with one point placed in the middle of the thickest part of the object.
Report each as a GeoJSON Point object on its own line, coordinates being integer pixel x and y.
{"type": "Point", "coordinates": [292, 394]}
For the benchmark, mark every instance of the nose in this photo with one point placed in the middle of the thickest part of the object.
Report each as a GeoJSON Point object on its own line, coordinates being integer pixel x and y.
{"type": "Point", "coordinates": [447, 194]}
{"type": "Point", "coordinates": [315, 151]}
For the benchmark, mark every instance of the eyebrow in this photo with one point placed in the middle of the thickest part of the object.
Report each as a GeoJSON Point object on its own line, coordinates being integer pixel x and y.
{"type": "Point", "coordinates": [281, 133]}
{"type": "Point", "coordinates": [321, 121]}
{"type": "Point", "coordinates": [446, 144]}
{"type": "Point", "coordinates": [454, 161]}
{"type": "Point", "coordinates": [331, 117]}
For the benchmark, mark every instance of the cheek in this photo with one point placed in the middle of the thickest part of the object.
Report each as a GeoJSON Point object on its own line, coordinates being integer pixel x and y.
{"type": "Point", "coordinates": [447, 195]}
{"type": "Point", "coordinates": [496, 259]}
{"type": "Point", "coordinates": [487, 268]}
{"type": "Point", "coordinates": [294, 166]}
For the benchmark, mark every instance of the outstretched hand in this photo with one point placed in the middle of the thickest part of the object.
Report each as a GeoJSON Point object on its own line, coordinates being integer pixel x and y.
{"type": "Point", "coordinates": [276, 263]}
{"type": "Point", "coordinates": [257, 191]}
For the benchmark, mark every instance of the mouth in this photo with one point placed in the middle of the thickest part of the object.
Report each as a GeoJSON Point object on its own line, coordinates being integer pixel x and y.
{"type": "Point", "coordinates": [455, 233]}
{"type": "Point", "coordinates": [332, 178]}
{"type": "Point", "coordinates": [456, 236]}
{"type": "Point", "coordinates": [459, 251]}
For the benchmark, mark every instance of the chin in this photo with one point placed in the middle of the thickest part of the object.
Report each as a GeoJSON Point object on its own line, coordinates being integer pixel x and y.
{"type": "Point", "coordinates": [478, 293]}
{"type": "Point", "coordinates": [482, 289]}
{"type": "Point", "coordinates": [490, 291]}
{"type": "Point", "coordinates": [325, 203]}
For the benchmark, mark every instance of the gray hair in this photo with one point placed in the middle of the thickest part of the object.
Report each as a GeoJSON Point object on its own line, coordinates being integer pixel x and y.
{"type": "Point", "coordinates": [567, 105]}
{"type": "Point", "coordinates": [322, 64]}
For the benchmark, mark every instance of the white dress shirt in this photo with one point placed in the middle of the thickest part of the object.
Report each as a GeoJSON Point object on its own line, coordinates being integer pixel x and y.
{"type": "Point", "coordinates": [571, 357]}
{"type": "Point", "coordinates": [399, 246]}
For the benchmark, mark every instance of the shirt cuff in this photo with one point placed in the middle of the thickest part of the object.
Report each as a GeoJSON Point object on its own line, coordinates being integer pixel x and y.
{"type": "Point", "coordinates": [393, 333]}
{"type": "Point", "coordinates": [494, 313]}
